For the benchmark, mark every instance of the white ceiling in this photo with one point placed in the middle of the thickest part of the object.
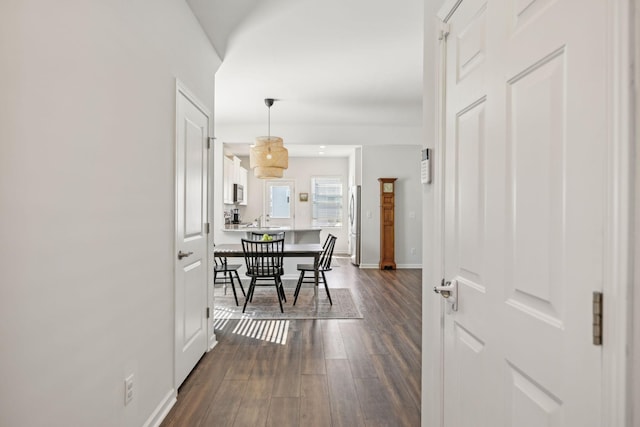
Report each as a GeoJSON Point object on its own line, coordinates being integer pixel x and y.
{"type": "Point", "coordinates": [329, 62]}
{"type": "Point", "coordinates": [298, 150]}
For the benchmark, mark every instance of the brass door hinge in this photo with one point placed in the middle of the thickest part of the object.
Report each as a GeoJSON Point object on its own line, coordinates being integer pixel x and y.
{"type": "Point", "coordinates": [597, 318]}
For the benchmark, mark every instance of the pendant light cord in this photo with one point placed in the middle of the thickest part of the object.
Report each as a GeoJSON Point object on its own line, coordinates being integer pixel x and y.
{"type": "Point", "coordinates": [269, 132]}
{"type": "Point", "coordinates": [269, 124]}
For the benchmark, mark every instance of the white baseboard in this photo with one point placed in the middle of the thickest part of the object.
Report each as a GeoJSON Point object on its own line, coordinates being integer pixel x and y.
{"type": "Point", "coordinates": [212, 342]}
{"type": "Point", "coordinates": [162, 410]}
{"type": "Point", "coordinates": [369, 266]}
{"type": "Point", "coordinates": [408, 266]}
{"type": "Point", "coordinates": [398, 266]}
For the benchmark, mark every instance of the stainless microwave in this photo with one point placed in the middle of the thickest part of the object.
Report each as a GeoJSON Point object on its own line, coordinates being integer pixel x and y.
{"type": "Point", "coordinates": [238, 193]}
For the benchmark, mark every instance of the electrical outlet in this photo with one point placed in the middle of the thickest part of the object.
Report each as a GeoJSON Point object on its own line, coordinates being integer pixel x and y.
{"type": "Point", "coordinates": [369, 214]}
{"type": "Point", "coordinates": [128, 389]}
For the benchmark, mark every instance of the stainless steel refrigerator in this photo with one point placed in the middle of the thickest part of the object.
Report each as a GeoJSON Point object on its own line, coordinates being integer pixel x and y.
{"type": "Point", "coordinates": [354, 224]}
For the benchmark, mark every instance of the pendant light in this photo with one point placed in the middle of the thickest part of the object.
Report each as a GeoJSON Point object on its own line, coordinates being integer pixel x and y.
{"type": "Point", "coordinates": [268, 158]}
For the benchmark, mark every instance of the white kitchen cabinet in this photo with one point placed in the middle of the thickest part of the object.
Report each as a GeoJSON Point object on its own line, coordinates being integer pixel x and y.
{"type": "Point", "coordinates": [243, 180]}
{"type": "Point", "coordinates": [234, 174]}
{"type": "Point", "coordinates": [228, 181]}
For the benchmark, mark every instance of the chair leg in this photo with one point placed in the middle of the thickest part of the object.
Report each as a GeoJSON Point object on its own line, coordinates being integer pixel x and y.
{"type": "Point", "coordinates": [239, 282]}
{"type": "Point", "coordinates": [295, 294]}
{"type": "Point", "coordinates": [284, 296]}
{"type": "Point", "coordinates": [233, 288]}
{"type": "Point", "coordinates": [252, 286]}
{"type": "Point", "coordinates": [278, 293]}
{"type": "Point", "coordinates": [326, 287]}
{"type": "Point", "coordinates": [215, 277]}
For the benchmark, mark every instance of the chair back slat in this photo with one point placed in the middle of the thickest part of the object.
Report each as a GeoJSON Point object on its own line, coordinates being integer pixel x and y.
{"type": "Point", "coordinates": [327, 252]}
{"type": "Point", "coordinates": [258, 236]}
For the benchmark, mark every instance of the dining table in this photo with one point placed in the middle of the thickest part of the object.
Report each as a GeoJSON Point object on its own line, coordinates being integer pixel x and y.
{"type": "Point", "coordinates": [299, 250]}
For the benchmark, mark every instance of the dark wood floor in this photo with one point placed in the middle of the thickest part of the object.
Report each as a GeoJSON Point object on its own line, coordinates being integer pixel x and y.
{"type": "Point", "coordinates": [356, 372]}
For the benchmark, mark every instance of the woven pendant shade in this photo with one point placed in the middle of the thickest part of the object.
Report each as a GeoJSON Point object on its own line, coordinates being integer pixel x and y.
{"type": "Point", "coordinates": [263, 166]}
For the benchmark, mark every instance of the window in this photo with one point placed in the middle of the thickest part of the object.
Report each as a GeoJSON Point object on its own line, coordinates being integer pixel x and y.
{"type": "Point", "coordinates": [326, 201]}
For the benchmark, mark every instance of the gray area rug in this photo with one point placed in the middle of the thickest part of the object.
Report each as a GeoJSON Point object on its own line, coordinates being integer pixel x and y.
{"type": "Point", "coordinates": [265, 304]}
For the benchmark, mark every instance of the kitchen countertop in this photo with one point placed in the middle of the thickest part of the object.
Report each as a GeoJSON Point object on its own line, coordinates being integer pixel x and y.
{"type": "Point", "coordinates": [247, 228]}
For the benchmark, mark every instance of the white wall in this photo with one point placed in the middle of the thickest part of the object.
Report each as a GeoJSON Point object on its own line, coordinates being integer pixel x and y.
{"type": "Point", "coordinates": [87, 131]}
{"type": "Point", "coordinates": [392, 161]}
{"type": "Point", "coordinates": [382, 134]}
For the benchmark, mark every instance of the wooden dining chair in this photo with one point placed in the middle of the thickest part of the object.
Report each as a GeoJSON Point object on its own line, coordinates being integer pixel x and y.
{"type": "Point", "coordinates": [264, 260]}
{"type": "Point", "coordinates": [324, 265]}
{"type": "Point", "coordinates": [227, 271]}
{"type": "Point", "coordinates": [275, 235]}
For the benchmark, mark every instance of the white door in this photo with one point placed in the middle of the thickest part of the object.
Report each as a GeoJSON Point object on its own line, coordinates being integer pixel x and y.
{"type": "Point", "coordinates": [191, 240]}
{"type": "Point", "coordinates": [279, 203]}
{"type": "Point", "coordinates": [523, 211]}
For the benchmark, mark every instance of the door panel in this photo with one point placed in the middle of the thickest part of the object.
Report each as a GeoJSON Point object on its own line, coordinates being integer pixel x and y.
{"type": "Point", "coordinates": [535, 122]}
{"type": "Point", "coordinates": [532, 405]}
{"type": "Point", "coordinates": [279, 203]}
{"type": "Point", "coordinates": [471, 192]}
{"type": "Point", "coordinates": [194, 180]}
{"type": "Point", "coordinates": [191, 214]}
{"type": "Point", "coordinates": [525, 119]}
{"type": "Point", "coordinates": [193, 321]}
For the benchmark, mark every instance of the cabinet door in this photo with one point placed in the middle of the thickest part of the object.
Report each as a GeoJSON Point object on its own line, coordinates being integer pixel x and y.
{"type": "Point", "coordinates": [244, 178]}
{"type": "Point", "coordinates": [228, 171]}
{"type": "Point", "coordinates": [236, 172]}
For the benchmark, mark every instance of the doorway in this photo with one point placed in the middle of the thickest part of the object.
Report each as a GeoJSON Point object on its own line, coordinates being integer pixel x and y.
{"type": "Point", "coordinates": [279, 206]}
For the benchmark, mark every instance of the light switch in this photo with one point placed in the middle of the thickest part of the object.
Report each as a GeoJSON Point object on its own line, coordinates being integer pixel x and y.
{"type": "Point", "coordinates": [369, 215]}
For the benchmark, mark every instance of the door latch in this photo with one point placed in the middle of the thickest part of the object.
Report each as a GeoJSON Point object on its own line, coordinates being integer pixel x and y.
{"type": "Point", "coordinates": [448, 291]}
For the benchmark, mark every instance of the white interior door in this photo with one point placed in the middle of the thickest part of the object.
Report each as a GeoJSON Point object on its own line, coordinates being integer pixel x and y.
{"type": "Point", "coordinates": [279, 203]}
{"type": "Point", "coordinates": [191, 241]}
{"type": "Point", "coordinates": [524, 198]}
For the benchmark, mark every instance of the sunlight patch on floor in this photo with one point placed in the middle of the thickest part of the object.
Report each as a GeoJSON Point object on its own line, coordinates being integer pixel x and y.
{"type": "Point", "coordinates": [265, 330]}
{"type": "Point", "coordinates": [274, 331]}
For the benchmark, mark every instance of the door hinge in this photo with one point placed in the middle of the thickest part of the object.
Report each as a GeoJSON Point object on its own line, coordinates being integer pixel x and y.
{"type": "Point", "coordinates": [206, 228]}
{"type": "Point", "coordinates": [597, 318]}
{"type": "Point", "coordinates": [210, 140]}
{"type": "Point", "coordinates": [208, 312]}
{"type": "Point", "coordinates": [444, 32]}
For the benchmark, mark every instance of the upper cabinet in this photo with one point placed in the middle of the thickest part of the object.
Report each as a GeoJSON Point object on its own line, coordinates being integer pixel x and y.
{"type": "Point", "coordinates": [234, 174]}
{"type": "Point", "coordinates": [229, 172]}
{"type": "Point", "coordinates": [242, 180]}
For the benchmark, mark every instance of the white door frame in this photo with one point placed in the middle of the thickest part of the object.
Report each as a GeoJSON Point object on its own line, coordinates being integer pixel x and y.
{"type": "Point", "coordinates": [635, 333]}
{"type": "Point", "coordinates": [181, 89]}
{"type": "Point", "coordinates": [618, 253]}
{"type": "Point", "coordinates": [618, 286]}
